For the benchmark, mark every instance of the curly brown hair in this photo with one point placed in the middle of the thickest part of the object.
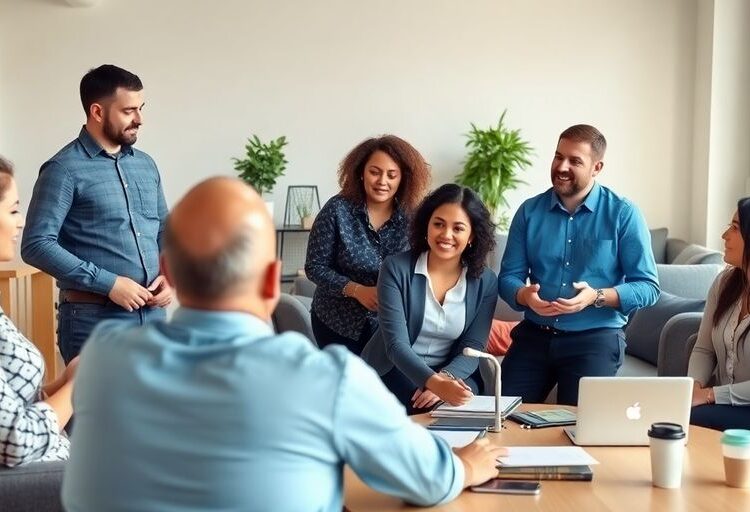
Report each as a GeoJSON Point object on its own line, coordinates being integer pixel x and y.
{"type": "Point", "coordinates": [415, 171]}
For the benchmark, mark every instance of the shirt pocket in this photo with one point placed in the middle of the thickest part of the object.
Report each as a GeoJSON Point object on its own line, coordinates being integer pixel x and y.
{"type": "Point", "coordinates": [597, 257]}
{"type": "Point", "coordinates": [148, 197]}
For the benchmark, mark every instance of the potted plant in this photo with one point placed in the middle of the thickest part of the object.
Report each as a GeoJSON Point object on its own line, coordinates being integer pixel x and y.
{"type": "Point", "coordinates": [262, 165]}
{"type": "Point", "coordinates": [496, 157]}
{"type": "Point", "coordinates": [304, 211]}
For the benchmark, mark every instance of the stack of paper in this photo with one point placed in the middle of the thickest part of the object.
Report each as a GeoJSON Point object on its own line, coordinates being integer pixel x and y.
{"type": "Point", "coordinates": [478, 407]}
{"type": "Point", "coordinates": [546, 456]}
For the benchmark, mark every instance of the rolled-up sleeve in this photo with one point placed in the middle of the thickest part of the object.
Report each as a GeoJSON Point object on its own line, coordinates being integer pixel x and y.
{"type": "Point", "coordinates": [514, 269]}
{"type": "Point", "coordinates": [50, 203]}
{"type": "Point", "coordinates": [641, 286]}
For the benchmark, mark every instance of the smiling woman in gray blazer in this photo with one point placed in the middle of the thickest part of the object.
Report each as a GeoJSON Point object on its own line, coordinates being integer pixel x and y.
{"type": "Point", "coordinates": [434, 301]}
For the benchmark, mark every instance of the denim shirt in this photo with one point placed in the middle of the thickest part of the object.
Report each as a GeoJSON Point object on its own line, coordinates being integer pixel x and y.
{"type": "Point", "coordinates": [605, 242]}
{"type": "Point", "coordinates": [95, 216]}
{"type": "Point", "coordinates": [344, 247]}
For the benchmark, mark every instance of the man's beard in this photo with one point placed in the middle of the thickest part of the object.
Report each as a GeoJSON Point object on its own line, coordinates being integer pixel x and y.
{"type": "Point", "coordinates": [120, 138]}
{"type": "Point", "coordinates": [566, 188]}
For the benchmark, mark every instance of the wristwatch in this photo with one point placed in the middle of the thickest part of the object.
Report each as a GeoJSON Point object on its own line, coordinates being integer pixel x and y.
{"type": "Point", "coordinates": [599, 301]}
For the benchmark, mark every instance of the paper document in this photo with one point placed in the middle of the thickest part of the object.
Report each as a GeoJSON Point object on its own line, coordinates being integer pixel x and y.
{"type": "Point", "coordinates": [456, 438]}
{"type": "Point", "coordinates": [546, 456]}
{"type": "Point", "coordinates": [479, 406]}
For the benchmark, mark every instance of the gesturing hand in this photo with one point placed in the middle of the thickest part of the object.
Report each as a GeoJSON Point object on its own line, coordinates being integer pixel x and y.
{"type": "Point", "coordinates": [584, 298]}
{"type": "Point", "coordinates": [529, 296]}
{"type": "Point", "coordinates": [128, 294]}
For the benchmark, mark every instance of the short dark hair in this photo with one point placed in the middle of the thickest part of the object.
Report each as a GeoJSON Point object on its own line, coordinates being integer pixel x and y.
{"type": "Point", "coordinates": [586, 133]}
{"type": "Point", "coordinates": [6, 173]}
{"type": "Point", "coordinates": [482, 227]}
{"type": "Point", "coordinates": [102, 82]}
{"type": "Point", "coordinates": [214, 276]}
{"type": "Point", "coordinates": [415, 171]}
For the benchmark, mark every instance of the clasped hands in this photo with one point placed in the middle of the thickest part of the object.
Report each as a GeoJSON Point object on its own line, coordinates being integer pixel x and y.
{"type": "Point", "coordinates": [130, 295]}
{"type": "Point", "coordinates": [441, 387]}
{"type": "Point", "coordinates": [529, 296]}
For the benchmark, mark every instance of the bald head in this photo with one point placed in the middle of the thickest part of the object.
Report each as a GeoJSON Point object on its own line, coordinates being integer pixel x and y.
{"type": "Point", "coordinates": [219, 241]}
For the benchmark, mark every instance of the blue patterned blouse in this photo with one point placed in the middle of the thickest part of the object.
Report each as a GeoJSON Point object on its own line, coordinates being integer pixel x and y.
{"type": "Point", "coordinates": [344, 247]}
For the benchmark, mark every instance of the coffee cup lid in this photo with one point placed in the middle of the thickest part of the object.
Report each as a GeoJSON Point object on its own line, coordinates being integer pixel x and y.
{"type": "Point", "coordinates": [736, 437]}
{"type": "Point", "coordinates": [665, 430]}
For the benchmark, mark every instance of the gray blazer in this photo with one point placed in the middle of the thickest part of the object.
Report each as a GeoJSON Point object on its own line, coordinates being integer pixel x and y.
{"type": "Point", "coordinates": [401, 298]}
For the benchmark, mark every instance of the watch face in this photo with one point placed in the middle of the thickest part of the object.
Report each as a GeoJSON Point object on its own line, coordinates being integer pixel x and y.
{"type": "Point", "coordinates": [599, 302]}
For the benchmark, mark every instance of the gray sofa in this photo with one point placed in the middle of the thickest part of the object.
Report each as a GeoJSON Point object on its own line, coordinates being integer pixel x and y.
{"type": "Point", "coordinates": [31, 488]}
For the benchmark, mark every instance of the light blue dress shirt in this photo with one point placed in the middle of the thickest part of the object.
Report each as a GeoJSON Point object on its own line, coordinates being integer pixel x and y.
{"type": "Point", "coordinates": [213, 411]}
{"type": "Point", "coordinates": [605, 242]}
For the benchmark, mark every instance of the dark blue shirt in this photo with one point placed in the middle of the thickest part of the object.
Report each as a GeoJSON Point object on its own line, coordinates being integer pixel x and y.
{"type": "Point", "coordinates": [605, 242]}
{"type": "Point", "coordinates": [95, 216]}
{"type": "Point", "coordinates": [344, 247]}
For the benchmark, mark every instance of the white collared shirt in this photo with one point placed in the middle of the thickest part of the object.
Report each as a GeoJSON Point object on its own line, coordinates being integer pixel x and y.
{"type": "Point", "coordinates": [443, 323]}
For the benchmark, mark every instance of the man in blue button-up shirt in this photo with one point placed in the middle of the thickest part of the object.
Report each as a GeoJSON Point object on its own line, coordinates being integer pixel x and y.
{"type": "Point", "coordinates": [214, 411]}
{"type": "Point", "coordinates": [577, 262]}
{"type": "Point", "coordinates": [97, 213]}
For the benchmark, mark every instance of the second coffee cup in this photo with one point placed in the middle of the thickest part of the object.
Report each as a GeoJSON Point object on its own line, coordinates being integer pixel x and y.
{"type": "Point", "coordinates": [667, 442]}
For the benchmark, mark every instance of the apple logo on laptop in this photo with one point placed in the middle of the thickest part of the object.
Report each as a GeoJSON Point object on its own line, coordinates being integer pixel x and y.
{"type": "Point", "coordinates": [633, 412]}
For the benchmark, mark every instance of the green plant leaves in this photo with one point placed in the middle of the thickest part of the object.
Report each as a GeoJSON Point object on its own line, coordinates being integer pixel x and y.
{"type": "Point", "coordinates": [496, 156]}
{"type": "Point", "coordinates": [263, 163]}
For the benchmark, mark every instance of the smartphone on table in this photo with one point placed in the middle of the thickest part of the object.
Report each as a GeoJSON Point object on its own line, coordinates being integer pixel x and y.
{"type": "Point", "coordinates": [499, 486]}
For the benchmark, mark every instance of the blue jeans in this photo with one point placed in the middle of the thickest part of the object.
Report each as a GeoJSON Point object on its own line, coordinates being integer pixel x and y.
{"type": "Point", "coordinates": [539, 359]}
{"type": "Point", "coordinates": [76, 320]}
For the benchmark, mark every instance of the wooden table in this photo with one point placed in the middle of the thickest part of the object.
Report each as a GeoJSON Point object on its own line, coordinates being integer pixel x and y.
{"type": "Point", "coordinates": [27, 296]}
{"type": "Point", "coordinates": [622, 481]}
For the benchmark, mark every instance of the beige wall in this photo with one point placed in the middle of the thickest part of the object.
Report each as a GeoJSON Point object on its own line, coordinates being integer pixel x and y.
{"type": "Point", "coordinates": [329, 73]}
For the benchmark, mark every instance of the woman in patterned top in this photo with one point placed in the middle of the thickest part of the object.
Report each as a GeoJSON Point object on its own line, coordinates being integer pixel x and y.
{"type": "Point", "coordinates": [382, 180]}
{"type": "Point", "coordinates": [722, 353]}
{"type": "Point", "coordinates": [31, 416]}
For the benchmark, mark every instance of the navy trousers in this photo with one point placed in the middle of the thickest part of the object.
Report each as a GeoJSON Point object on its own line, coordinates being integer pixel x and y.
{"type": "Point", "coordinates": [76, 320]}
{"type": "Point", "coordinates": [539, 358]}
{"type": "Point", "coordinates": [324, 336]}
{"type": "Point", "coordinates": [720, 416]}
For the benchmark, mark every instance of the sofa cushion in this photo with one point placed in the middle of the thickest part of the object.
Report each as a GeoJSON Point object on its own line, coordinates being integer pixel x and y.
{"type": "Point", "coordinates": [695, 254]}
{"type": "Point", "coordinates": [659, 244]}
{"type": "Point", "coordinates": [691, 281]}
{"type": "Point", "coordinates": [643, 331]}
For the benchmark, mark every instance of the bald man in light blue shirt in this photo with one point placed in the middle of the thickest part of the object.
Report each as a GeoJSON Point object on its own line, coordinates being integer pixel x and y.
{"type": "Point", "coordinates": [214, 411]}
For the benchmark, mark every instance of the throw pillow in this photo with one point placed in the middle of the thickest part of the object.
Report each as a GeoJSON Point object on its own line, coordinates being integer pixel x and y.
{"type": "Point", "coordinates": [693, 254]}
{"type": "Point", "coordinates": [500, 339]}
{"type": "Point", "coordinates": [643, 331]}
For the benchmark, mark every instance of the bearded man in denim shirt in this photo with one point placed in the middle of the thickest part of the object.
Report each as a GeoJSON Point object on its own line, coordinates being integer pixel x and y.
{"type": "Point", "coordinates": [97, 213]}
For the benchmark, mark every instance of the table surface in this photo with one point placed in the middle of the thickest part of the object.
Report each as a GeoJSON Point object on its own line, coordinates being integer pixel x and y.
{"type": "Point", "coordinates": [622, 480]}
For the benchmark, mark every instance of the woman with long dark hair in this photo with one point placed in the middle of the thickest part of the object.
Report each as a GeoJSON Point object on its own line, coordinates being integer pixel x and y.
{"type": "Point", "coordinates": [721, 350]}
{"type": "Point", "coordinates": [435, 300]}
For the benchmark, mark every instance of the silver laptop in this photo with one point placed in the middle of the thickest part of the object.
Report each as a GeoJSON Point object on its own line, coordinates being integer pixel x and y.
{"type": "Point", "coordinates": [618, 411]}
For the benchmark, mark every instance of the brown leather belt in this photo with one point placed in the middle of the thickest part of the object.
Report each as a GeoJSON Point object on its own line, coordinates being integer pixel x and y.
{"type": "Point", "coordinates": [82, 297]}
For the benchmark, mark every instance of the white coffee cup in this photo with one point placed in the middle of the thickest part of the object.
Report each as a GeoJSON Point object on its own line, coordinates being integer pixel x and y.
{"type": "Point", "coordinates": [667, 441]}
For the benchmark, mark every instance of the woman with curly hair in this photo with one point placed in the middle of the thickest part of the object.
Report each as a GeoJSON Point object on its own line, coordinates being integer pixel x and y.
{"type": "Point", "coordinates": [382, 180]}
{"type": "Point", "coordinates": [435, 300]}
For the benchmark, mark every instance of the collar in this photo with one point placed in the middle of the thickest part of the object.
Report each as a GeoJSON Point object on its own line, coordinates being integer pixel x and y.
{"type": "Point", "coordinates": [590, 202]}
{"type": "Point", "coordinates": [398, 217]}
{"type": "Point", "coordinates": [420, 267]}
{"type": "Point", "coordinates": [229, 324]}
{"type": "Point", "coordinates": [93, 148]}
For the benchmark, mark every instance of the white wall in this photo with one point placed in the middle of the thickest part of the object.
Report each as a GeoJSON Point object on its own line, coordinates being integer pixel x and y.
{"type": "Point", "coordinates": [329, 73]}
